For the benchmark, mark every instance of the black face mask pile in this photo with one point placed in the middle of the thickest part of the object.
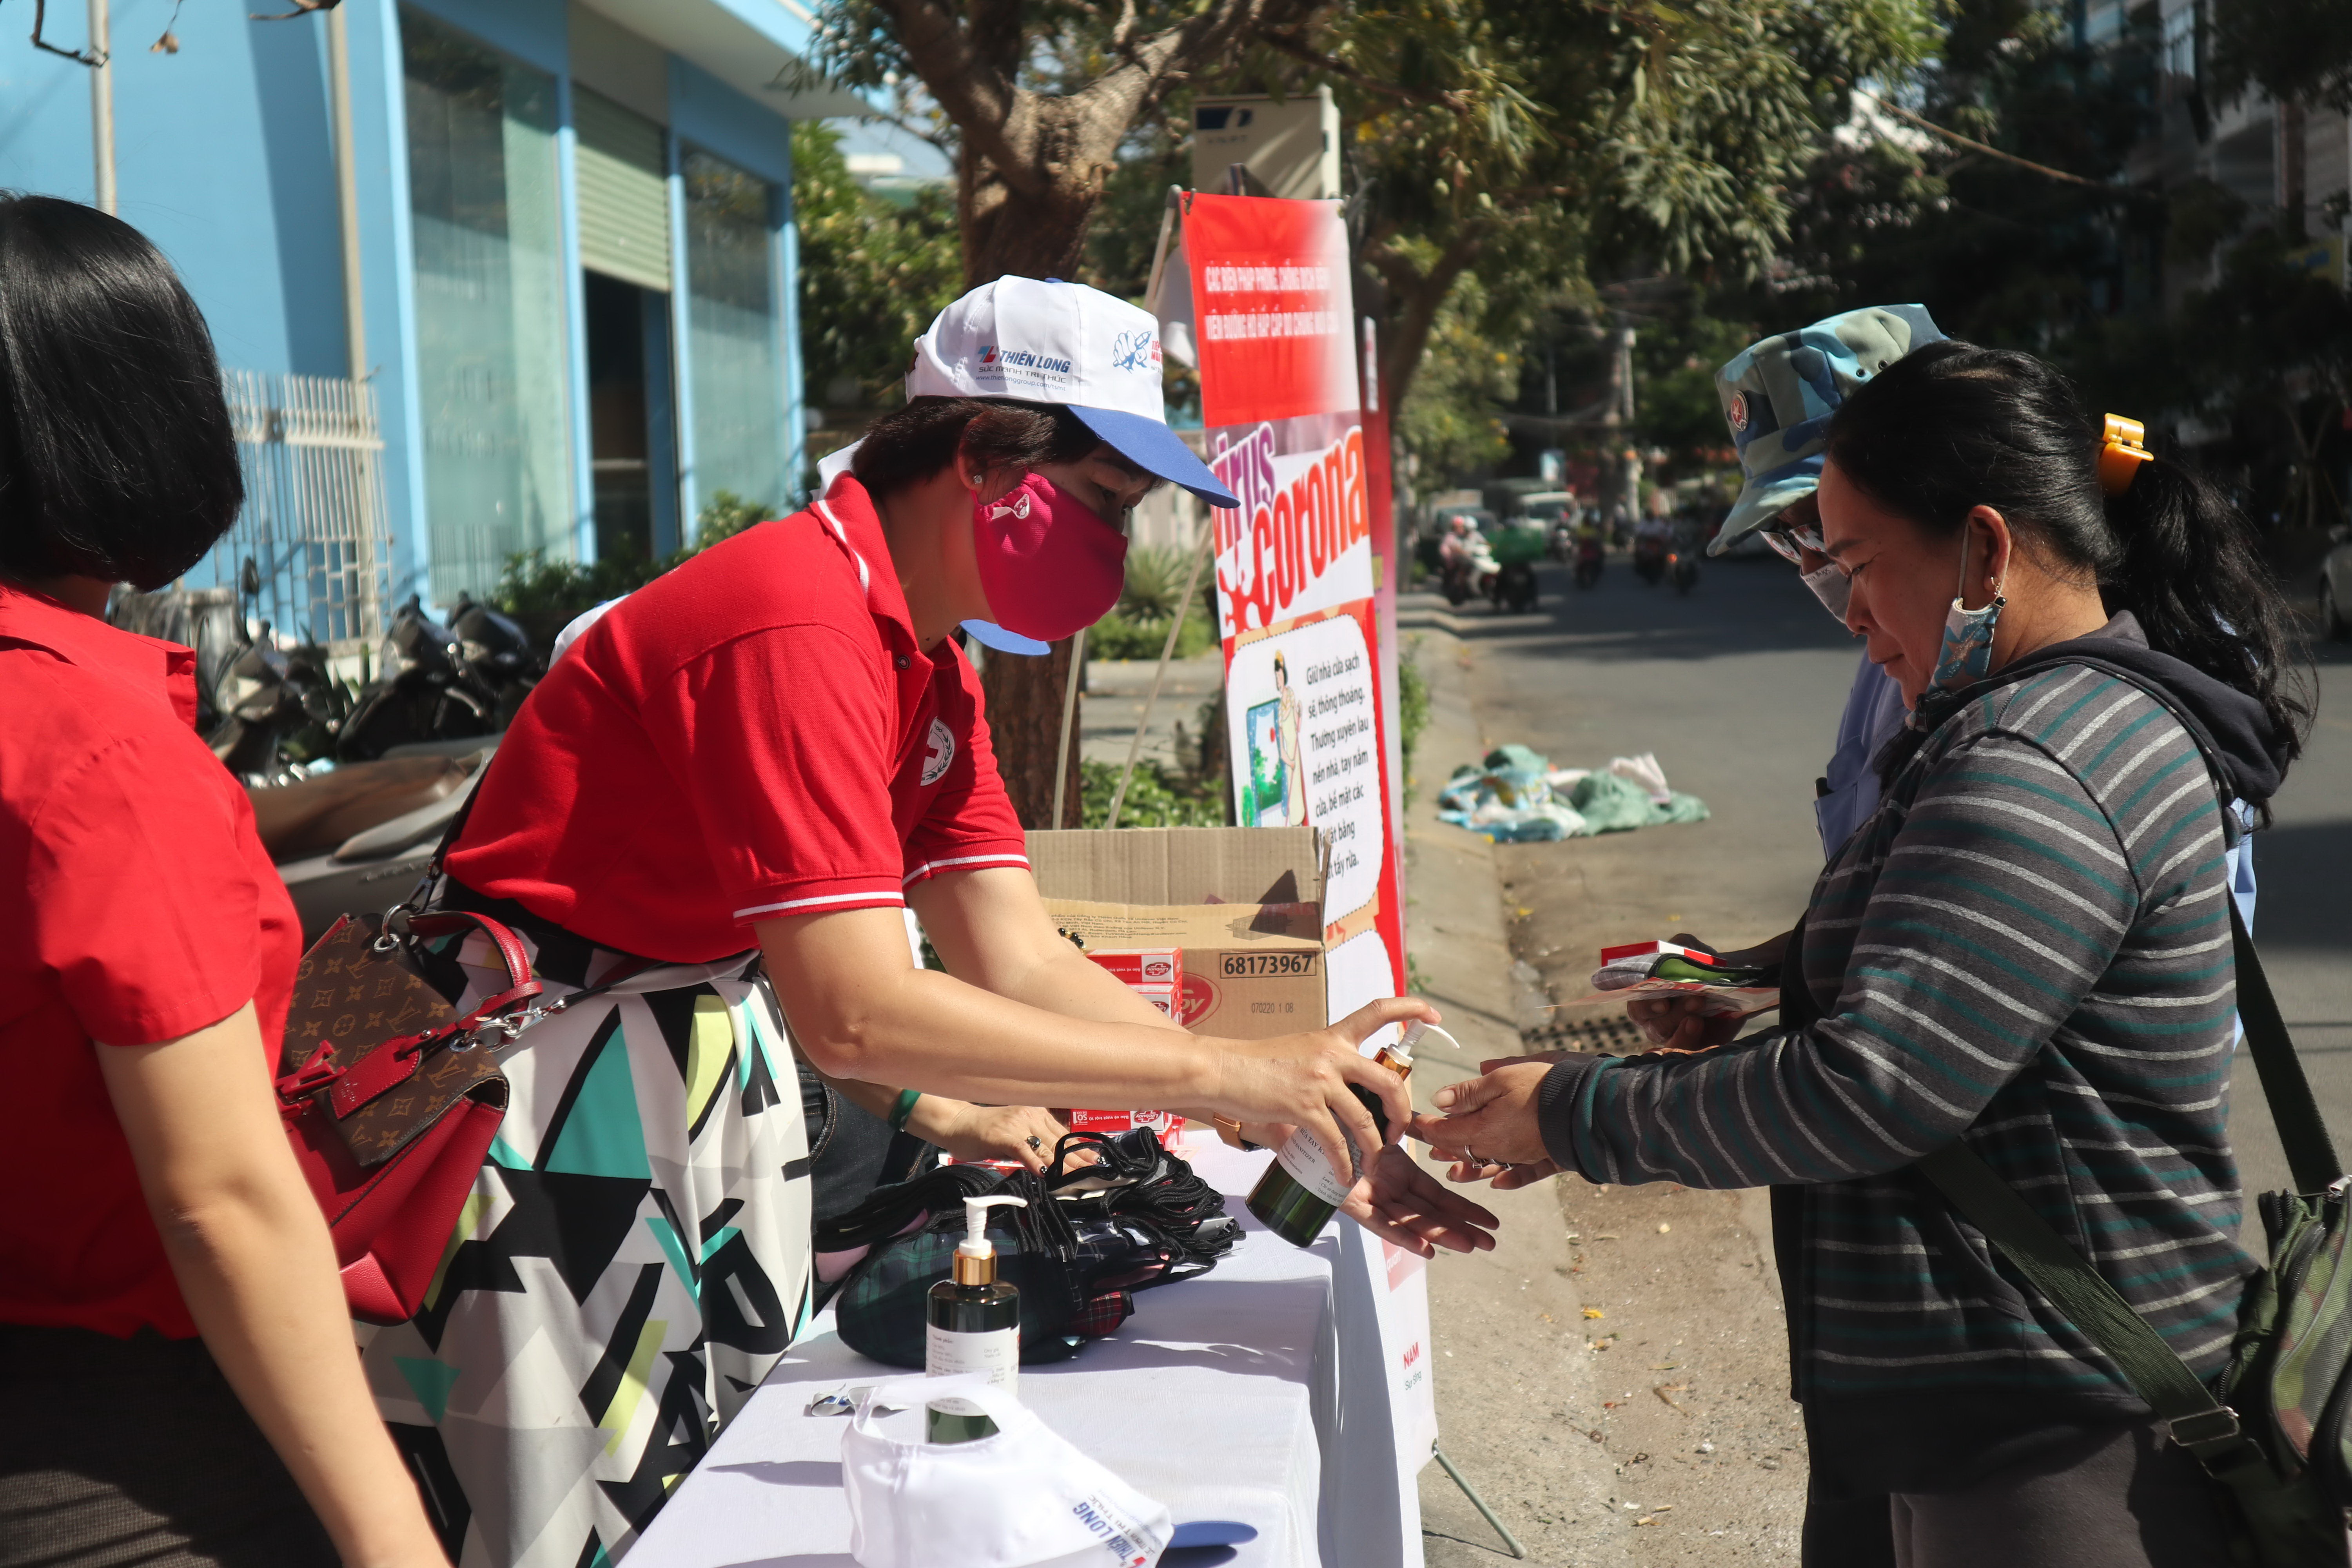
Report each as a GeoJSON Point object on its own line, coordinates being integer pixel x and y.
{"type": "Point", "coordinates": [1090, 1237]}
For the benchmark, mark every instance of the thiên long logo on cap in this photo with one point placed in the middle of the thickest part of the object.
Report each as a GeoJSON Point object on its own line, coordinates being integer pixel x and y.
{"type": "Point", "coordinates": [992, 354]}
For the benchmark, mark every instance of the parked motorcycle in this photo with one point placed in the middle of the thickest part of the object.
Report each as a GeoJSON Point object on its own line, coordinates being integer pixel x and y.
{"type": "Point", "coordinates": [441, 683]}
{"type": "Point", "coordinates": [1589, 558]}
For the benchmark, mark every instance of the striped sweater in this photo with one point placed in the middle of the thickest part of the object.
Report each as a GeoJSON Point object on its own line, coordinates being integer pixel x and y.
{"type": "Point", "coordinates": [2026, 946]}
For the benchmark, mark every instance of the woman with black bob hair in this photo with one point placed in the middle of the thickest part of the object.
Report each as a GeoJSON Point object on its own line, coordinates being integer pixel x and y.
{"type": "Point", "coordinates": [2025, 951]}
{"type": "Point", "coordinates": [177, 1378]}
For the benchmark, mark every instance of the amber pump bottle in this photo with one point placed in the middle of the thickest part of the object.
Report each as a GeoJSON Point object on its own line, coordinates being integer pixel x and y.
{"type": "Point", "coordinates": [1301, 1191]}
{"type": "Point", "coordinates": [974, 1325]}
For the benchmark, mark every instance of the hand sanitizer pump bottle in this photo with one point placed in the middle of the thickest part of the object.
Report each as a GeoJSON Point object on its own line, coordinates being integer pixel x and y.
{"type": "Point", "coordinates": [1300, 1191]}
{"type": "Point", "coordinates": [974, 1326]}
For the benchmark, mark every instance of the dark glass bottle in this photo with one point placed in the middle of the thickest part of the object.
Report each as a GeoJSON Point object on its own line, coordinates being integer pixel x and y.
{"type": "Point", "coordinates": [1300, 1191]}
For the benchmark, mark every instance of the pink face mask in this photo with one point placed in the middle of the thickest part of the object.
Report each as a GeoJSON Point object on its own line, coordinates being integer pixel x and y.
{"type": "Point", "coordinates": [1049, 565]}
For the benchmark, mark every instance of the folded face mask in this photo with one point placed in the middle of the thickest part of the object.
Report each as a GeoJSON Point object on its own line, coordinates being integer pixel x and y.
{"type": "Point", "coordinates": [1024, 1497]}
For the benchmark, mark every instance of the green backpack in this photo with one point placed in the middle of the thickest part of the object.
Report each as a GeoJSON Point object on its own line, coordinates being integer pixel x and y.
{"type": "Point", "coordinates": [2277, 1432]}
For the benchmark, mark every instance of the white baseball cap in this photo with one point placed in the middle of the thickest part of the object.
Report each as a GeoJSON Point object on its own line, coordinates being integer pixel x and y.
{"type": "Point", "coordinates": [1051, 341]}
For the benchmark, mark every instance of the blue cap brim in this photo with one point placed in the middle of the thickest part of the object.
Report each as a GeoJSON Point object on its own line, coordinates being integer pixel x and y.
{"type": "Point", "coordinates": [996, 640]}
{"type": "Point", "coordinates": [1157, 451]}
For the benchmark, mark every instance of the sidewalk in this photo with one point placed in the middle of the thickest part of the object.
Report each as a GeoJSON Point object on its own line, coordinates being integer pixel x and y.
{"type": "Point", "coordinates": [1116, 690]}
{"type": "Point", "coordinates": [1612, 1376]}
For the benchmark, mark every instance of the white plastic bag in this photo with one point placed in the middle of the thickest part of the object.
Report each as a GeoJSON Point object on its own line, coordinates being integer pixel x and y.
{"type": "Point", "coordinates": [1025, 1497]}
{"type": "Point", "coordinates": [1644, 772]}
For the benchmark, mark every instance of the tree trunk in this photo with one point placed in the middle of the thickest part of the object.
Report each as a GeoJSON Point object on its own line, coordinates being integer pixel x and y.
{"type": "Point", "coordinates": [1024, 721]}
{"type": "Point", "coordinates": [1040, 231]}
{"type": "Point", "coordinates": [1029, 176]}
{"type": "Point", "coordinates": [2292, 142]}
{"type": "Point", "coordinates": [1415, 300]}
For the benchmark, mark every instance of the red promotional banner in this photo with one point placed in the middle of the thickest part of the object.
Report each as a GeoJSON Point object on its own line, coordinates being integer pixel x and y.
{"type": "Point", "coordinates": [1277, 333]}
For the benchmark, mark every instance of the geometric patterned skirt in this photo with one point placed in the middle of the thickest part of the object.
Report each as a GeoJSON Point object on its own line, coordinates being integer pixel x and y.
{"type": "Point", "coordinates": [633, 1259]}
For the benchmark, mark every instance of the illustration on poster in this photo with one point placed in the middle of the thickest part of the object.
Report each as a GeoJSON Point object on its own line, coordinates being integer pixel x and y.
{"type": "Point", "coordinates": [1278, 794]}
{"type": "Point", "coordinates": [1294, 531]}
{"type": "Point", "coordinates": [1307, 754]}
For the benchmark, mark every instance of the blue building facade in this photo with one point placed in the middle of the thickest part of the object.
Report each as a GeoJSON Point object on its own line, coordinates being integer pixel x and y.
{"type": "Point", "coordinates": [576, 276]}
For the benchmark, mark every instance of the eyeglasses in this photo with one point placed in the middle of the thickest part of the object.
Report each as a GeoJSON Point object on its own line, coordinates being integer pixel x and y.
{"type": "Point", "coordinates": [1790, 541]}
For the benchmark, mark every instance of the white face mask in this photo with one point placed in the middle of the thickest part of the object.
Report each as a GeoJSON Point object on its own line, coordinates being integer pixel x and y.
{"type": "Point", "coordinates": [1832, 587]}
{"type": "Point", "coordinates": [1829, 582]}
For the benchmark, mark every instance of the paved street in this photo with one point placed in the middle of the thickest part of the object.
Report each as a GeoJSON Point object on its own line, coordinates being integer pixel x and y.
{"type": "Point", "coordinates": [1674, 1401]}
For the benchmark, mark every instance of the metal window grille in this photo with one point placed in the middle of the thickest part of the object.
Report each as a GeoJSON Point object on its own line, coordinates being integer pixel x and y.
{"type": "Point", "coordinates": [314, 518]}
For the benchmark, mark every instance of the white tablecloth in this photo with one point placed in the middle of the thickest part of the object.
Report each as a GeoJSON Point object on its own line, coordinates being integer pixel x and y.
{"type": "Point", "coordinates": [1219, 1398]}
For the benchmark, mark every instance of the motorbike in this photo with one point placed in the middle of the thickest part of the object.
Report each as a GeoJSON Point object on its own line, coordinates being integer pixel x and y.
{"type": "Point", "coordinates": [458, 682]}
{"type": "Point", "coordinates": [1649, 558]}
{"type": "Point", "coordinates": [1589, 557]}
{"type": "Point", "coordinates": [1514, 587]}
{"type": "Point", "coordinates": [1682, 570]}
{"type": "Point", "coordinates": [1473, 571]}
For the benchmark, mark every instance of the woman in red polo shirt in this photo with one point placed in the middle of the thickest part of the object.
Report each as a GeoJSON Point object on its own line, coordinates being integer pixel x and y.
{"type": "Point", "coordinates": [742, 774]}
{"type": "Point", "coordinates": [150, 1376]}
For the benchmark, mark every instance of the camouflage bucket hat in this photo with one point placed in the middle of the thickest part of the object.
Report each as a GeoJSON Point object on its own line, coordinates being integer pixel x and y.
{"type": "Point", "coordinates": [1777, 396]}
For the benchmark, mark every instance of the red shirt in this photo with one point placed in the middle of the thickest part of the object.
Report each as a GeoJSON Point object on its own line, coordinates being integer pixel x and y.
{"type": "Point", "coordinates": [755, 734]}
{"type": "Point", "coordinates": [136, 905]}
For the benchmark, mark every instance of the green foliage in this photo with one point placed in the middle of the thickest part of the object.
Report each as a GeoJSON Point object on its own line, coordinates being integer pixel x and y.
{"type": "Point", "coordinates": [1137, 628]}
{"type": "Point", "coordinates": [1412, 706]}
{"type": "Point", "coordinates": [1118, 636]}
{"type": "Point", "coordinates": [1675, 407]}
{"type": "Point", "coordinates": [873, 272]}
{"type": "Point", "coordinates": [1156, 796]}
{"type": "Point", "coordinates": [2261, 360]}
{"type": "Point", "coordinates": [1155, 576]}
{"type": "Point", "coordinates": [725, 515]}
{"type": "Point", "coordinates": [2293, 49]}
{"type": "Point", "coordinates": [544, 596]}
{"type": "Point", "coordinates": [2001, 254]}
{"type": "Point", "coordinates": [1465, 374]}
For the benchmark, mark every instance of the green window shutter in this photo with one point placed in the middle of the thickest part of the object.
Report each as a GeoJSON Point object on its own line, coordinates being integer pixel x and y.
{"type": "Point", "coordinates": [624, 193]}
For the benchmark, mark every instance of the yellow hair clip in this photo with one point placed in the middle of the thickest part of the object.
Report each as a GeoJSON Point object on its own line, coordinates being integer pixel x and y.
{"type": "Point", "coordinates": [2123, 447]}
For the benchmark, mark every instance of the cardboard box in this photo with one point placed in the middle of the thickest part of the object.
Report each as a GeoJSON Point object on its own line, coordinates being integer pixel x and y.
{"type": "Point", "coordinates": [1244, 905]}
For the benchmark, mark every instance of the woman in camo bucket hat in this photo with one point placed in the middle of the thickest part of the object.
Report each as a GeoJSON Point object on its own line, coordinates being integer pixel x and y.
{"type": "Point", "coordinates": [1777, 396]}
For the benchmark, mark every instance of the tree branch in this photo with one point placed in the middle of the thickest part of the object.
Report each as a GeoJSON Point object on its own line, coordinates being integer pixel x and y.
{"type": "Point", "coordinates": [979, 99]}
{"type": "Point", "coordinates": [1930, 126]}
{"type": "Point", "coordinates": [1458, 104]}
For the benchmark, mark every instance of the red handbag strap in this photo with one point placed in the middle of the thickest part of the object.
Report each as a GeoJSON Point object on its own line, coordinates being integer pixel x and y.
{"type": "Point", "coordinates": [402, 924]}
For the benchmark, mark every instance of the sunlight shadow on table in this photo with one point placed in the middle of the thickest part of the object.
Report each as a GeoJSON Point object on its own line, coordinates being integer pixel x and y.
{"type": "Point", "coordinates": [788, 1472]}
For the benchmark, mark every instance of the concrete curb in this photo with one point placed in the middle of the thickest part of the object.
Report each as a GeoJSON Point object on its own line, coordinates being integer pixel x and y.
{"type": "Point", "coordinates": [1513, 1376]}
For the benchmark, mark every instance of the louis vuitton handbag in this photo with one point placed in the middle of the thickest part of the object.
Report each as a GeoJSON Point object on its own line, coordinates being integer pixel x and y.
{"type": "Point", "coordinates": [391, 1098]}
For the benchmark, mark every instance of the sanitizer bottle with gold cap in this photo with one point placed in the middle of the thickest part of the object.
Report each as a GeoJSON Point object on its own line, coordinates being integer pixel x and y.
{"type": "Point", "coordinates": [974, 1325]}
{"type": "Point", "coordinates": [1301, 1191]}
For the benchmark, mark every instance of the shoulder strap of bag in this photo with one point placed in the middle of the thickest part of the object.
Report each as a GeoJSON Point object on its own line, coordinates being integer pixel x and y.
{"type": "Point", "coordinates": [2199, 1423]}
{"type": "Point", "coordinates": [2311, 1154]}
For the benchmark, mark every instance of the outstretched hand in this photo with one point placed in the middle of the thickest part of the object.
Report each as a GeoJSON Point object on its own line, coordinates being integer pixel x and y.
{"type": "Point", "coordinates": [1399, 1201]}
{"type": "Point", "coordinates": [1489, 1120]}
